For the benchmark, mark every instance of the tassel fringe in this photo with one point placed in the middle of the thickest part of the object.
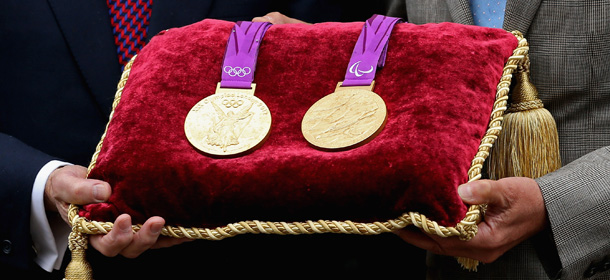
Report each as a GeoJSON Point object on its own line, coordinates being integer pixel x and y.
{"type": "Point", "coordinates": [528, 145]}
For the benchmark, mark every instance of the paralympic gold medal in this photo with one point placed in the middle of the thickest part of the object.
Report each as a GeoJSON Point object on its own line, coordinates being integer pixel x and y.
{"type": "Point", "coordinates": [346, 118]}
{"type": "Point", "coordinates": [353, 114]}
{"type": "Point", "coordinates": [228, 122]}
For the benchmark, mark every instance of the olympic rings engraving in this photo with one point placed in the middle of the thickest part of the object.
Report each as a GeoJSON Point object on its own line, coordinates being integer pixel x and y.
{"type": "Point", "coordinates": [232, 103]}
{"type": "Point", "coordinates": [237, 71]}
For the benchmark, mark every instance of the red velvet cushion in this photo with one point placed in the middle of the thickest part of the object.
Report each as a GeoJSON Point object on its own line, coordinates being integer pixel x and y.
{"type": "Point", "coordinates": [439, 84]}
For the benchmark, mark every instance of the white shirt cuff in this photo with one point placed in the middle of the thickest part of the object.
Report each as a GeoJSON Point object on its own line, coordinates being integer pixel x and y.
{"type": "Point", "coordinates": [49, 234]}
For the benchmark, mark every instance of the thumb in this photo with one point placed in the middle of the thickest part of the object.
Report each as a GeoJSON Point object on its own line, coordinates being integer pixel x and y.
{"type": "Point", "coordinates": [70, 185]}
{"type": "Point", "coordinates": [480, 192]}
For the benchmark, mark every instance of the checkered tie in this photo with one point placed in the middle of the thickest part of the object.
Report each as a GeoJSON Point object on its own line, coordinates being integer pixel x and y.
{"type": "Point", "coordinates": [489, 13]}
{"type": "Point", "coordinates": [129, 19]}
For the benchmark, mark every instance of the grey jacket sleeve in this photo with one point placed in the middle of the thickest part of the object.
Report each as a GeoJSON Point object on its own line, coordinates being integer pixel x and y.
{"type": "Point", "coordinates": [577, 199]}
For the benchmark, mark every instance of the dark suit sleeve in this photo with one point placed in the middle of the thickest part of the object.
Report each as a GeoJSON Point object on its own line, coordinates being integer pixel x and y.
{"type": "Point", "coordinates": [19, 165]}
{"type": "Point", "coordinates": [577, 198]}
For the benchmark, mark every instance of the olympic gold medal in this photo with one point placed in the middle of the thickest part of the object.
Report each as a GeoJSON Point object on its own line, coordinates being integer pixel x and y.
{"type": "Point", "coordinates": [344, 118]}
{"type": "Point", "coordinates": [228, 123]}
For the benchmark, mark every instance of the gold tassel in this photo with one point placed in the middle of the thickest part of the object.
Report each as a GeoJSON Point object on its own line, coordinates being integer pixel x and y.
{"type": "Point", "coordinates": [78, 268]}
{"type": "Point", "coordinates": [528, 145]}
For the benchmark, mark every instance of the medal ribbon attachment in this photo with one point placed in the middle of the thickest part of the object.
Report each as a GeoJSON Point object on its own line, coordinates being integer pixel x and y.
{"type": "Point", "coordinates": [353, 114]}
{"type": "Point", "coordinates": [241, 54]}
{"type": "Point", "coordinates": [232, 120]}
{"type": "Point", "coordinates": [370, 51]}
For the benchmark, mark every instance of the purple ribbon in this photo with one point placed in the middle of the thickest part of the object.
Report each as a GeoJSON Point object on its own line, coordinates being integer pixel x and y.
{"type": "Point", "coordinates": [370, 50]}
{"type": "Point", "coordinates": [241, 54]}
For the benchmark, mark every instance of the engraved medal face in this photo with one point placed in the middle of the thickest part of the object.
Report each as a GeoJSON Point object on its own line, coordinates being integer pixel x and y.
{"type": "Point", "coordinates": [227, 123]}
{"type": "Point", "coordinates": [344, 118]}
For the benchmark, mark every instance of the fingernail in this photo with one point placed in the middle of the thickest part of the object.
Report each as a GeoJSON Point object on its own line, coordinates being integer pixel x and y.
{"type": "Point", "coordinates": [156, 228]}
{"type": "Point", "coordinates": [99, 193]}
{"type": "Point", "coordinates": [465, 192]}
{"type": "Point", "coordinates": [124, 226]}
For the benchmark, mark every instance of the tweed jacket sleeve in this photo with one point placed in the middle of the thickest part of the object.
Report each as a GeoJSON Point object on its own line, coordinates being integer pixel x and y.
{"type": "Point", "coordinates": [577, 198]}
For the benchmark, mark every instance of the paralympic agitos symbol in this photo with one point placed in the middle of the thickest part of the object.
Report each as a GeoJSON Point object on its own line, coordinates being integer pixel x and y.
{"type": "Point", "coordinates": [354, 69]}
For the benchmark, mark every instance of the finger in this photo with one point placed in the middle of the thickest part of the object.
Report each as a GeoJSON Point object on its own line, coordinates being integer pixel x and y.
{"type": "Point", "coordinates": [116, 240]}
{"type": "Point", "coordinates": [270, 17]}
{"type": "Point", "coordinates": [452, 246]}
{"type": "Point", "coordinates": [262, 19]}
{"type": "Point", "coordinates": [145, 238]}
{"type": "Point", "coordinates": [481, 192]}
{"type": "Point", "coordinates": [276, 18]}
{"type": "Point", "coordinates": [419, 239]}
{"type": "Point", "coordinates": [273, 18]}
{"type": "Point", "coordinates": [69, 185]}
{"type": "Point", "coordinates": [448, 246]}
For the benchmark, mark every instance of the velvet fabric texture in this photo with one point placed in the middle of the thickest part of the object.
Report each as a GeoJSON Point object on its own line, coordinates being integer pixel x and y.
{"type": "Point", "coordinates": [439, 84]}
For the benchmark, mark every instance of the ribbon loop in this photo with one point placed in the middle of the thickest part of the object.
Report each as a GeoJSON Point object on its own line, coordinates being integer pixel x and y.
{"type": "Point", "coordinates": [239, 62]}
{"type": "Point", "coordinates": [370, 50]}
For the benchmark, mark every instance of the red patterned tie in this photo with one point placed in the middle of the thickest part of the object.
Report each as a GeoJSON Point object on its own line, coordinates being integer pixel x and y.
{"type": "Point", "coordinates": [129, 19]}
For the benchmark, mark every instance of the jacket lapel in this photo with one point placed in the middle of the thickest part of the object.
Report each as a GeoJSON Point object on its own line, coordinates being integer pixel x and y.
{"type": "Point", "coordinates": [86, 28]}
{"type": "Point", "coordinates": [519, 14]}
{"type": "Point", "coordinates": [460, 11]}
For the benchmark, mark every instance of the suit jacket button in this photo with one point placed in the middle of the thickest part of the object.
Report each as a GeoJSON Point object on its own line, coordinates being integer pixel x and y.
{"type": "Point", "coordinates": [7, 247]}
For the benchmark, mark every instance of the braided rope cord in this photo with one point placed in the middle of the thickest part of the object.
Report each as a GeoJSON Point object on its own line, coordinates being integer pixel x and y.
{"type": "Point", "coordinates": [465, 229]}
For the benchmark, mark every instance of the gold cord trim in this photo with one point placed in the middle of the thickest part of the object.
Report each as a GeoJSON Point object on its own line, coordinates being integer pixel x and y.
{"type": "Point", "coordinates": [524, 106]}
{"type": "Point", "coordinates": [465, 229]}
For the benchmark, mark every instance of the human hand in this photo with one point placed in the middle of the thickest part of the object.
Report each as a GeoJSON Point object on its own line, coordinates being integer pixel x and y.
{"type": "Point", "coordinates": [69, 185]}
{"type": "Point", "coordinates": [276, 18]}
{"type": "Point", "coordinates": [515, 212]}
{"type": "Point", "coordinates": [121, 240]}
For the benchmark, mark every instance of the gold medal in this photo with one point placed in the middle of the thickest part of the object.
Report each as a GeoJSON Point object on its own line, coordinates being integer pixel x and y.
{"type": "Point", "coordinates": [232, 120]}
{"type": "Point", "coordinates": [229, 122]}
{"type": "Point", "coordinates": [353, 114]}
{"type": "Point", "coordinates": [348, 117]}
